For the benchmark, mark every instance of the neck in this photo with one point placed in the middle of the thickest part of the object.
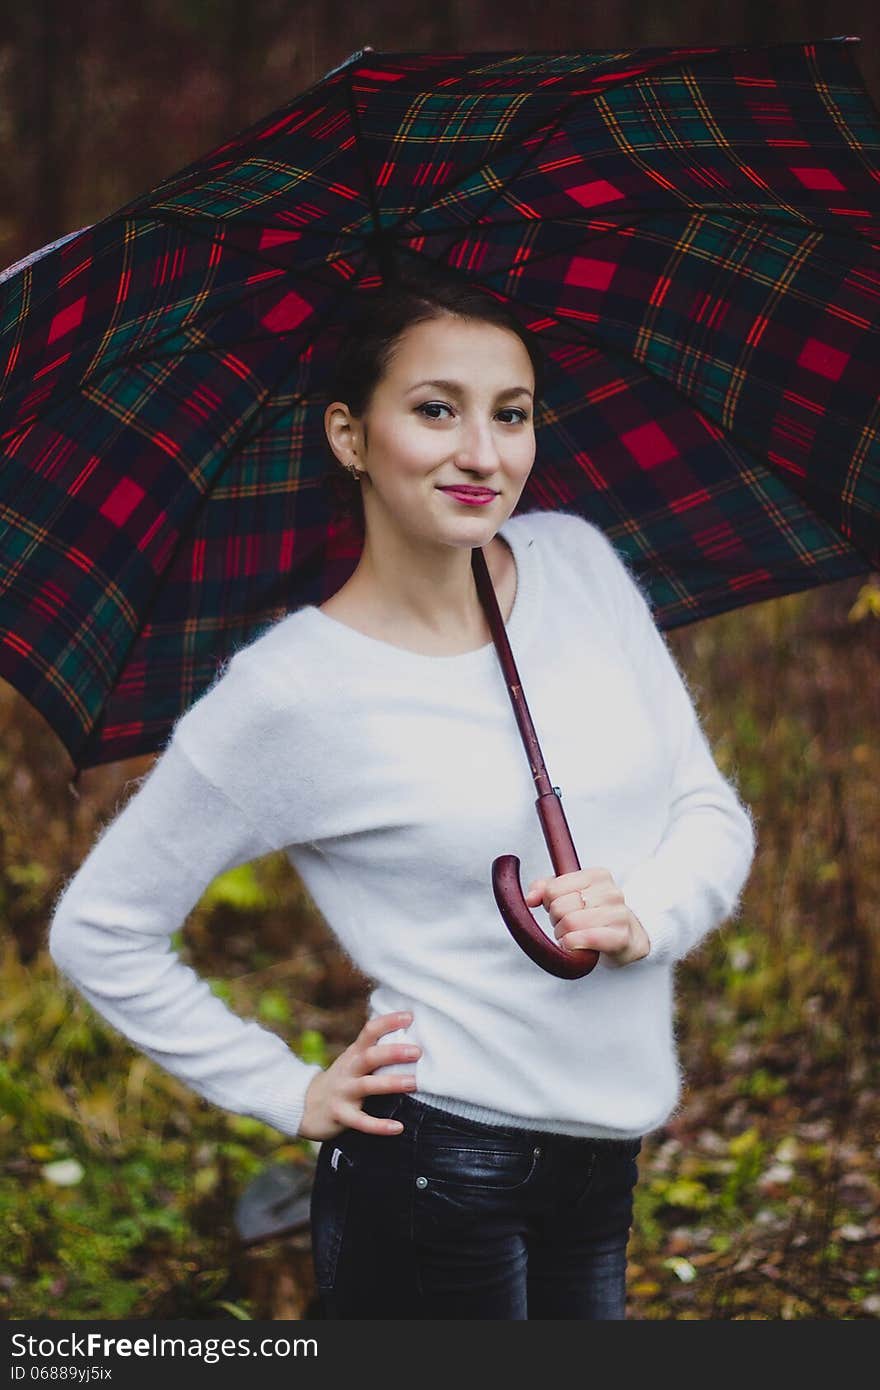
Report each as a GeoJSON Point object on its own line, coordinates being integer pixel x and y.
{"type": "Point", "coordinates": [422, 587]}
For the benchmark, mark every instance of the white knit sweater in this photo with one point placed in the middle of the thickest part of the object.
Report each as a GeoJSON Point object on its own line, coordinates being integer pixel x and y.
{"type": "Point", "coordinates": [391, 780]}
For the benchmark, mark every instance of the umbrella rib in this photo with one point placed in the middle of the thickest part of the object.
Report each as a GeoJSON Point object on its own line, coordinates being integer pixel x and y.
{"type": "Point", "coordinates": [383, 255]}
{"type": "Point", "coordinates": [613, 225]}
{"type": "Point", "coordinates": [536, 258]}
{"type": "Point", "coordinates": [692, 209]}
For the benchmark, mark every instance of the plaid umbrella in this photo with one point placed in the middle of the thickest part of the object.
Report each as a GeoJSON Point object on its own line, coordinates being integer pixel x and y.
{"type": "Point", "coordinates": [692, 232]}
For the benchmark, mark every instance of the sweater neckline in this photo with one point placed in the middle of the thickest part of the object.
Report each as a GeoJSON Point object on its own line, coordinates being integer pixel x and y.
{"type": "Point", "coordinates": [518, 625]}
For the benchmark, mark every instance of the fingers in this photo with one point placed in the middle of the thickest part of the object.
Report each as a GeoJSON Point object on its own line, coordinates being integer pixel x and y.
{"type": "Point", "coordinates": [382, 1054]}
{"type": "Point", "coordinates": [558, 906]}
{"type": "Point", "coordinates": [535, 893]}
{"type": "Point", "coordinates": [564, 911]}
{"type": "Point", "coordinates": [610, 940]}
{"type": "Point", "coordinates": [381, 1085]}
{"type": "Point", "coordinates": [584, 891]}
{"type": "Point", "coordinates": [352, 1117]}
{"type": "Point", "coordinates": [554, 888]}
{"type": "Point", "coordinates": [569, 914]}
{"type": "Point", "coordinates": [376, 1054]}
{"type": "Point", "coordinates": [546, 892]}
{"type": "Point", "coordinates": [371, 1054]}
{"type": "Point", "coordinates": [384, 1023]}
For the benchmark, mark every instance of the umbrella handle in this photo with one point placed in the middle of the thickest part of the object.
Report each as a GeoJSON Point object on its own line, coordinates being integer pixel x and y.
{"type": "Point", "coordinates": [515, 911]}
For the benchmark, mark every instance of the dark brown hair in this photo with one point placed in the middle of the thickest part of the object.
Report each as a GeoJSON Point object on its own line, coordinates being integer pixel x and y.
{"type": "Point", "coordinates": [370, 339]}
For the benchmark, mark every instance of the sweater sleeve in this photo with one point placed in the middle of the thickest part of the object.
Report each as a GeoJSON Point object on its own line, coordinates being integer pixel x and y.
{"type": "Point", "coordinates": [694, 879]}
{"type": "Point", "coordinates": [110, 936]}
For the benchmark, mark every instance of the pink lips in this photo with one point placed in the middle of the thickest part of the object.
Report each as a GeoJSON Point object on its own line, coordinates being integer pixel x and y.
{"type": "Point", "coordinates": [472, 498]}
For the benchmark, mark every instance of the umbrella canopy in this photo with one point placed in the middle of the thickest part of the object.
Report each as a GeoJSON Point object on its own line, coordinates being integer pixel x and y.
{"type": "Point", "coordinates": [691, 232]}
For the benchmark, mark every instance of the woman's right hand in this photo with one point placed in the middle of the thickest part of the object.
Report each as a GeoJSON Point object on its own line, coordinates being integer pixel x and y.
{"type": "Point", "coordinates": [334, 1095]}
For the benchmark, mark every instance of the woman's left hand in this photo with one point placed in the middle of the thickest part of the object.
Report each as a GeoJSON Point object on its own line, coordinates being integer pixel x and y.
{"type": "Point", "coordinates": [605, 924]}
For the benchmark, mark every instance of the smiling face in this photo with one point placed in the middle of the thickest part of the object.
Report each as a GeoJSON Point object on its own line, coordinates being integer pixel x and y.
{"type": "Point", "coordinates": [476, 429]}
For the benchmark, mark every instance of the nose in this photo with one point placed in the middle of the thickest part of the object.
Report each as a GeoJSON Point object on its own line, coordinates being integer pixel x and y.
{"type": "Point", "coordinates": [478, 450]}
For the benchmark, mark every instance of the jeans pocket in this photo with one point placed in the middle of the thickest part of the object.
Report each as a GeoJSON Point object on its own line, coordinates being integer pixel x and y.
{"type": "Point", "coordinates": [385, 1104]}
{"type": "Point", "coordinates": [331, 1190]}
{"type": "Point", "coordinates": [617, 1165]}
{"type": "Point", "coordinates": [611, 1165]}
{"type": "Point", "coordinates": [477, 1164]}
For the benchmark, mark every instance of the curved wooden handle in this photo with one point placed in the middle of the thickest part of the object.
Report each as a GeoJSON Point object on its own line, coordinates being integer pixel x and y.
{"type": "Point", "coordinates": [515, 911]}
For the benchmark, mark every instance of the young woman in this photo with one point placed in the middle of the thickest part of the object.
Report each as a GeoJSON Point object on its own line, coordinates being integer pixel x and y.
{"type": "Point", "coordinates": [479, 1137]}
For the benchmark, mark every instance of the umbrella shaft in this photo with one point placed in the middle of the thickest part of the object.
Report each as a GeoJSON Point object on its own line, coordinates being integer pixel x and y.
{"type": "Point", "coordinates": [548, 804]}
{"type": "Point", "coordinates": [557, 835]}
{"type": "Point", "coordinates": [486, 592]}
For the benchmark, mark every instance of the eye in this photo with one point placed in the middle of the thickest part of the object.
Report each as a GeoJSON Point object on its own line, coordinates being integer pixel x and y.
{"type": "Point", "coordinates": [439, 405]}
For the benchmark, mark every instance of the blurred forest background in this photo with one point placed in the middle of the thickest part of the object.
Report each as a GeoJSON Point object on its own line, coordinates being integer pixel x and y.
{"type": "Point", "coordinates": [117, 1184]}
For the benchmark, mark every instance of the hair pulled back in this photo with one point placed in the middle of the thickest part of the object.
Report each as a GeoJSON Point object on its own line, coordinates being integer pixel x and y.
{"type": "Point", "coordinates": [370, 339]}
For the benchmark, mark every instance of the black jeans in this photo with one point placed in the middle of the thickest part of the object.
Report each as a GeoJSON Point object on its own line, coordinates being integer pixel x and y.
{"type": "Point", "coordinates": [454, 1218]}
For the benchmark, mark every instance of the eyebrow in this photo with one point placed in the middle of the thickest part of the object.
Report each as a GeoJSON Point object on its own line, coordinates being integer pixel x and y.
{"type": "Point", "coordinates": [456, 388]}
